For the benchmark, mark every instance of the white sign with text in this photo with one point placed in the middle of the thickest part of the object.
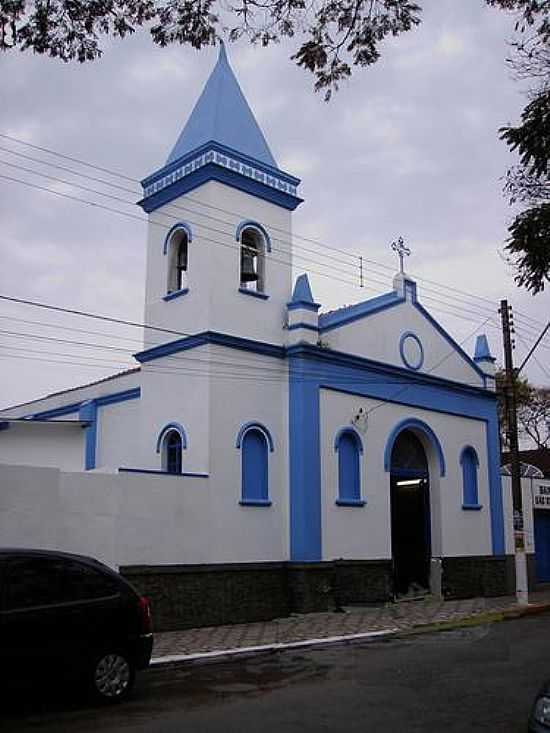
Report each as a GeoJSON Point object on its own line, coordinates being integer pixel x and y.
{"type": "Point", "coordinates": [541, 494]}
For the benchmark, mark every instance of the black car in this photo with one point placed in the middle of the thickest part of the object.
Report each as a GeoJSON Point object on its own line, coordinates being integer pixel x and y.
{"type": "Point", "coordinates": [539, 719]}
{"type": "Point", "coordinates": [71, 617]}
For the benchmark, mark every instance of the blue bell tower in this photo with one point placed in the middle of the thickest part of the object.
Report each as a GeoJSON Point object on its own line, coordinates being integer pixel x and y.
{"type": "Point", "coordinates": [221, 141]}
{"type": "Point", "coordinates": [219, 247]}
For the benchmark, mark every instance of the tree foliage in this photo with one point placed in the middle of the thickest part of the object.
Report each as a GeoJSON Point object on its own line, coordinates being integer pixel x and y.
{"type": "Point", "coordinates": [332, 35]}
{"type": "Point", "coordinates": [534, 417]}
{"type": "Point", "coordinates": [533, 411]}
{"type": "Point", "coordinates": [528, 183]}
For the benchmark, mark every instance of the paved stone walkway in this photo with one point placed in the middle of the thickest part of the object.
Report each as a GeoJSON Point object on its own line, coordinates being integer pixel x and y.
{"type": "Point", "coordinates": [356, 620]}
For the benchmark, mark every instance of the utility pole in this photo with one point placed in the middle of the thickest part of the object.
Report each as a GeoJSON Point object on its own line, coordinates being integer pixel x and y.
{"type": "Point", "coordinates": [510, 402]}
{"type": "Point", "coordinates": [512, 431]}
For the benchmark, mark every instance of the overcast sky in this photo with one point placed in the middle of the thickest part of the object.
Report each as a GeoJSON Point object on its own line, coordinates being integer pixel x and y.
{"type": "Point", "coordinates": [408, 147]}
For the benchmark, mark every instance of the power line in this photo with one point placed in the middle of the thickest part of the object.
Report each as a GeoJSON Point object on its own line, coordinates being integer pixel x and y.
{"type": "Point", "coordinates": [224, 244]}
{"type": "Point", "coordinates": [318, 243]}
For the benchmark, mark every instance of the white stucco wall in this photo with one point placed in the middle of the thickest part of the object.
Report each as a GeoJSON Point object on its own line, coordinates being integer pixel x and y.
{"type": "Point", "coordinates": [254, 391]}
{"type": "Point", "coordinates": [213, 301]}
{"type": "Point", "coordinates": [377, 337]}
{"type": "Point", "coordinates": [176, 389]}
{"type": "Point", "coordinates": [37, 444]}
{"type": "Point", "coordinates": [132, 518]}
{"type": "Point", "coordinates": [118, 434]}
{"type": "Point", "coordinates": [365, 532]}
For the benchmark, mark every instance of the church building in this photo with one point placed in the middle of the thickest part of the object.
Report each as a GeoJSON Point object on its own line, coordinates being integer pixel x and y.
{"type": "Point", "coordinates": [352, 455]}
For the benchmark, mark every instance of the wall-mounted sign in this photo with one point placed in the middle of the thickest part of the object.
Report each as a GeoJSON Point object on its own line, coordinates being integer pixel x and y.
{"type": "Point", "coordinates": [541, 494]}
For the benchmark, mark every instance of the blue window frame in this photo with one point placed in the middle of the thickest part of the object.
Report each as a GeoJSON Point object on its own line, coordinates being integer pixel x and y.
{"type": "Point", "coordinates": [254, 466]}
{"type": "Point", "coordinates": [470, 464]}
{"type": "Point", "coordinates": [349, 448]}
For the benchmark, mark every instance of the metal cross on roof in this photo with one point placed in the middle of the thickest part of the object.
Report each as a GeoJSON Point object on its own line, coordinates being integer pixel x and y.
{"type": "Point", "coordinates": [401, 248]}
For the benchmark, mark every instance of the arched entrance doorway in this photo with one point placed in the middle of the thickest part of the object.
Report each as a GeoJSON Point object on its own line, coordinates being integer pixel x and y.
{"type": "Point", "coordinates": [410, 515]}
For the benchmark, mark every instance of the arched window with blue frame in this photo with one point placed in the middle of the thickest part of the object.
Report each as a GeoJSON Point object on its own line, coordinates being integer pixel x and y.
{"type": "Point", "coordinates": [173, 452]}
{"type": "Point", "coordinates": [349, 448]}
{"type": "Point", "coordinates": [470, 492]}
{"type": "Point", "coordinates": [255, 444]}
{"type": "Point", "coordinates": [171, 442]}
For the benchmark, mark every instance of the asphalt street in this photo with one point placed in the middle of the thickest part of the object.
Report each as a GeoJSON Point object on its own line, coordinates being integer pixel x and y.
{"type": "Point", "coordinates": [475, 679]}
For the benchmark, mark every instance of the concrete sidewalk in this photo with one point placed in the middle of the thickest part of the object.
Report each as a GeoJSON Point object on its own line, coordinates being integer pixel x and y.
{"type": "Point", "coordinates": [318, 628]}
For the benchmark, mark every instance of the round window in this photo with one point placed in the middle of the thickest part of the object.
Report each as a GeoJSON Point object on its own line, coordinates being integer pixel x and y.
{"type": "Point", "coordinates": [411, 350]}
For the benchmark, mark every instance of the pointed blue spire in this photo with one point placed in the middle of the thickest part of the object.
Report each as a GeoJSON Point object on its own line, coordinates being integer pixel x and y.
{"type": "Point", "coordinates": [482, 351]}
{"type": "Point", "coordinates": [222, 115]}
{"type": "Point", "coordinates": [302, 296]}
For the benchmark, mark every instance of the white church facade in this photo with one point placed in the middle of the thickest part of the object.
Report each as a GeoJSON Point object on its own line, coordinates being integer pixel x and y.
{"type": "Point", "coordinates": [351, 456]}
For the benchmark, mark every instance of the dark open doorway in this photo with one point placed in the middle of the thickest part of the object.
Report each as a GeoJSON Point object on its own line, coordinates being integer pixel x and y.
{"type": "Point", "coordinates": [410, 516]}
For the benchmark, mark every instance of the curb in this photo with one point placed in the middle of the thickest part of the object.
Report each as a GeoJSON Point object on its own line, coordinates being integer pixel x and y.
{"type": "Point", "coordinates": [223, 655]}
{"type": "Point", "coordinates": [532, 609]}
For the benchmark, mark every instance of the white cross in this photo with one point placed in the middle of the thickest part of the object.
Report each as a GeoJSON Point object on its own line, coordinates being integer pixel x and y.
{"type": "Point", "coordinates": [402, 250]}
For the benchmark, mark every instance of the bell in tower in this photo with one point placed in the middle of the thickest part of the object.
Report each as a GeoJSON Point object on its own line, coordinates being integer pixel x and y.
{"type": "Point", "coordinates": [249, 258]}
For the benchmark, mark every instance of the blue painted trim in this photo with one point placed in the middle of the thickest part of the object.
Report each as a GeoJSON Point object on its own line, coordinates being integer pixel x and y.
{"type": "Point", "coordinates": [180, 225]}
{"type": "Point", "coordinates": [470, 482]}
{"type": "Point", "coordinates": [211, 337]}
{"type": "Point", "coordinates": [205, 150]}
{"type": "Point", "coordinates": [307, 326]}
{"type": "Point", "coordinates": [472, 507]}
{"type": "Point", "coordinates": [166, 429]}
{"type": "Point", "coordinates": [472, 451]}
{"type": "Point", "coordinates": [350, 502]}
{"type": "Point", "coordinates": [162, 473]}
{"type": "Point", "coordinates": [304, 464]}
{"type": "Point", "coordinates": [211, 171]}
{"type": "Point", "coordinates": [88, 413]}
{"type": "Point", "coordinates": [482, 351]}
{"type": "Point", "coordinates": [255, 502]}
{"type": "Point", "coordinates": [303, 305]}
{"type": "Point", "coordinates": [55, 412]}
{"type": "Point", "coordinates": [116, 397]}
{"type": "Point", "coordinates": [253, 424]}
{"type": "Point", "coordinates": [250, 224]}
{"type": "Point", "coordinates": [412, 423]}
{"type": "Point", "coordinates": [302, 297]}
{"type": "Point", "coordinates": [313, 369]}
{"type": "Point", "coordinates": [339, 358]}
{"type": "Point", "coordinates": [410, 335]}
{"type": "Point", "coordinates": [254, 293]}
{"type": "Point", "coordinates": [348, 429]}
{"type": "Point", "coordinates": [460, 351]}
{"type": "Point", "coordinates": [343, 316]}
{"type": "Point", "coordinates": [175, 294]}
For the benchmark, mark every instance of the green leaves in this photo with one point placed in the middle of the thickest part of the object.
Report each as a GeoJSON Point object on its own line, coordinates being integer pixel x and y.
{"type": "Point", "coordinates": [529, 245]}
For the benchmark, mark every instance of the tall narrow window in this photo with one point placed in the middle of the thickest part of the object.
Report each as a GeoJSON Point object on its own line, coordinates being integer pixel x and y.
{"type": "Point", "coordinates": [254, 450]}
{"type": "Point", "coordinates": [252, 265]}
{"type": "Point", "coordinates": [177, 261]}
{"type": "Point", "coordinates": [470, 463]}
{"type": "Point", "coordinates": [173, 446]}
{"type": "Point", "coordinates": [349, 449]}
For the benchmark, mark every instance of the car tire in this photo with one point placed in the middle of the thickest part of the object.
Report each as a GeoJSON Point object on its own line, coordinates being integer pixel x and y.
{"type": "Point", "coordinates": [112, 677]}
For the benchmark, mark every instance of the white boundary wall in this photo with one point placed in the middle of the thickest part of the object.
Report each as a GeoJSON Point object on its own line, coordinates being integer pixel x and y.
{"type": "Point", "coordinates": [134, 519]}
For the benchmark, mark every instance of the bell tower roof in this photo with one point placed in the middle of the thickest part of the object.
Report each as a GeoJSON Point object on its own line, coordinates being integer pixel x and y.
{"type": "Point", "coordinates": [221, 142]}
{"type": "Point", "coordinates": [222, 115]}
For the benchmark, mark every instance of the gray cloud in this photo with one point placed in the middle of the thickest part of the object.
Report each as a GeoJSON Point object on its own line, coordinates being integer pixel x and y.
{"type": "Point", "coordinates": [408, 147]}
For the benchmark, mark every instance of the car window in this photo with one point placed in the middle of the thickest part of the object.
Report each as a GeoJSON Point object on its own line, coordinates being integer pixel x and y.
{"type": "Point", "coordinates": [32, 581]}
{"type": "Point", "coordinates": [81, 582]}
